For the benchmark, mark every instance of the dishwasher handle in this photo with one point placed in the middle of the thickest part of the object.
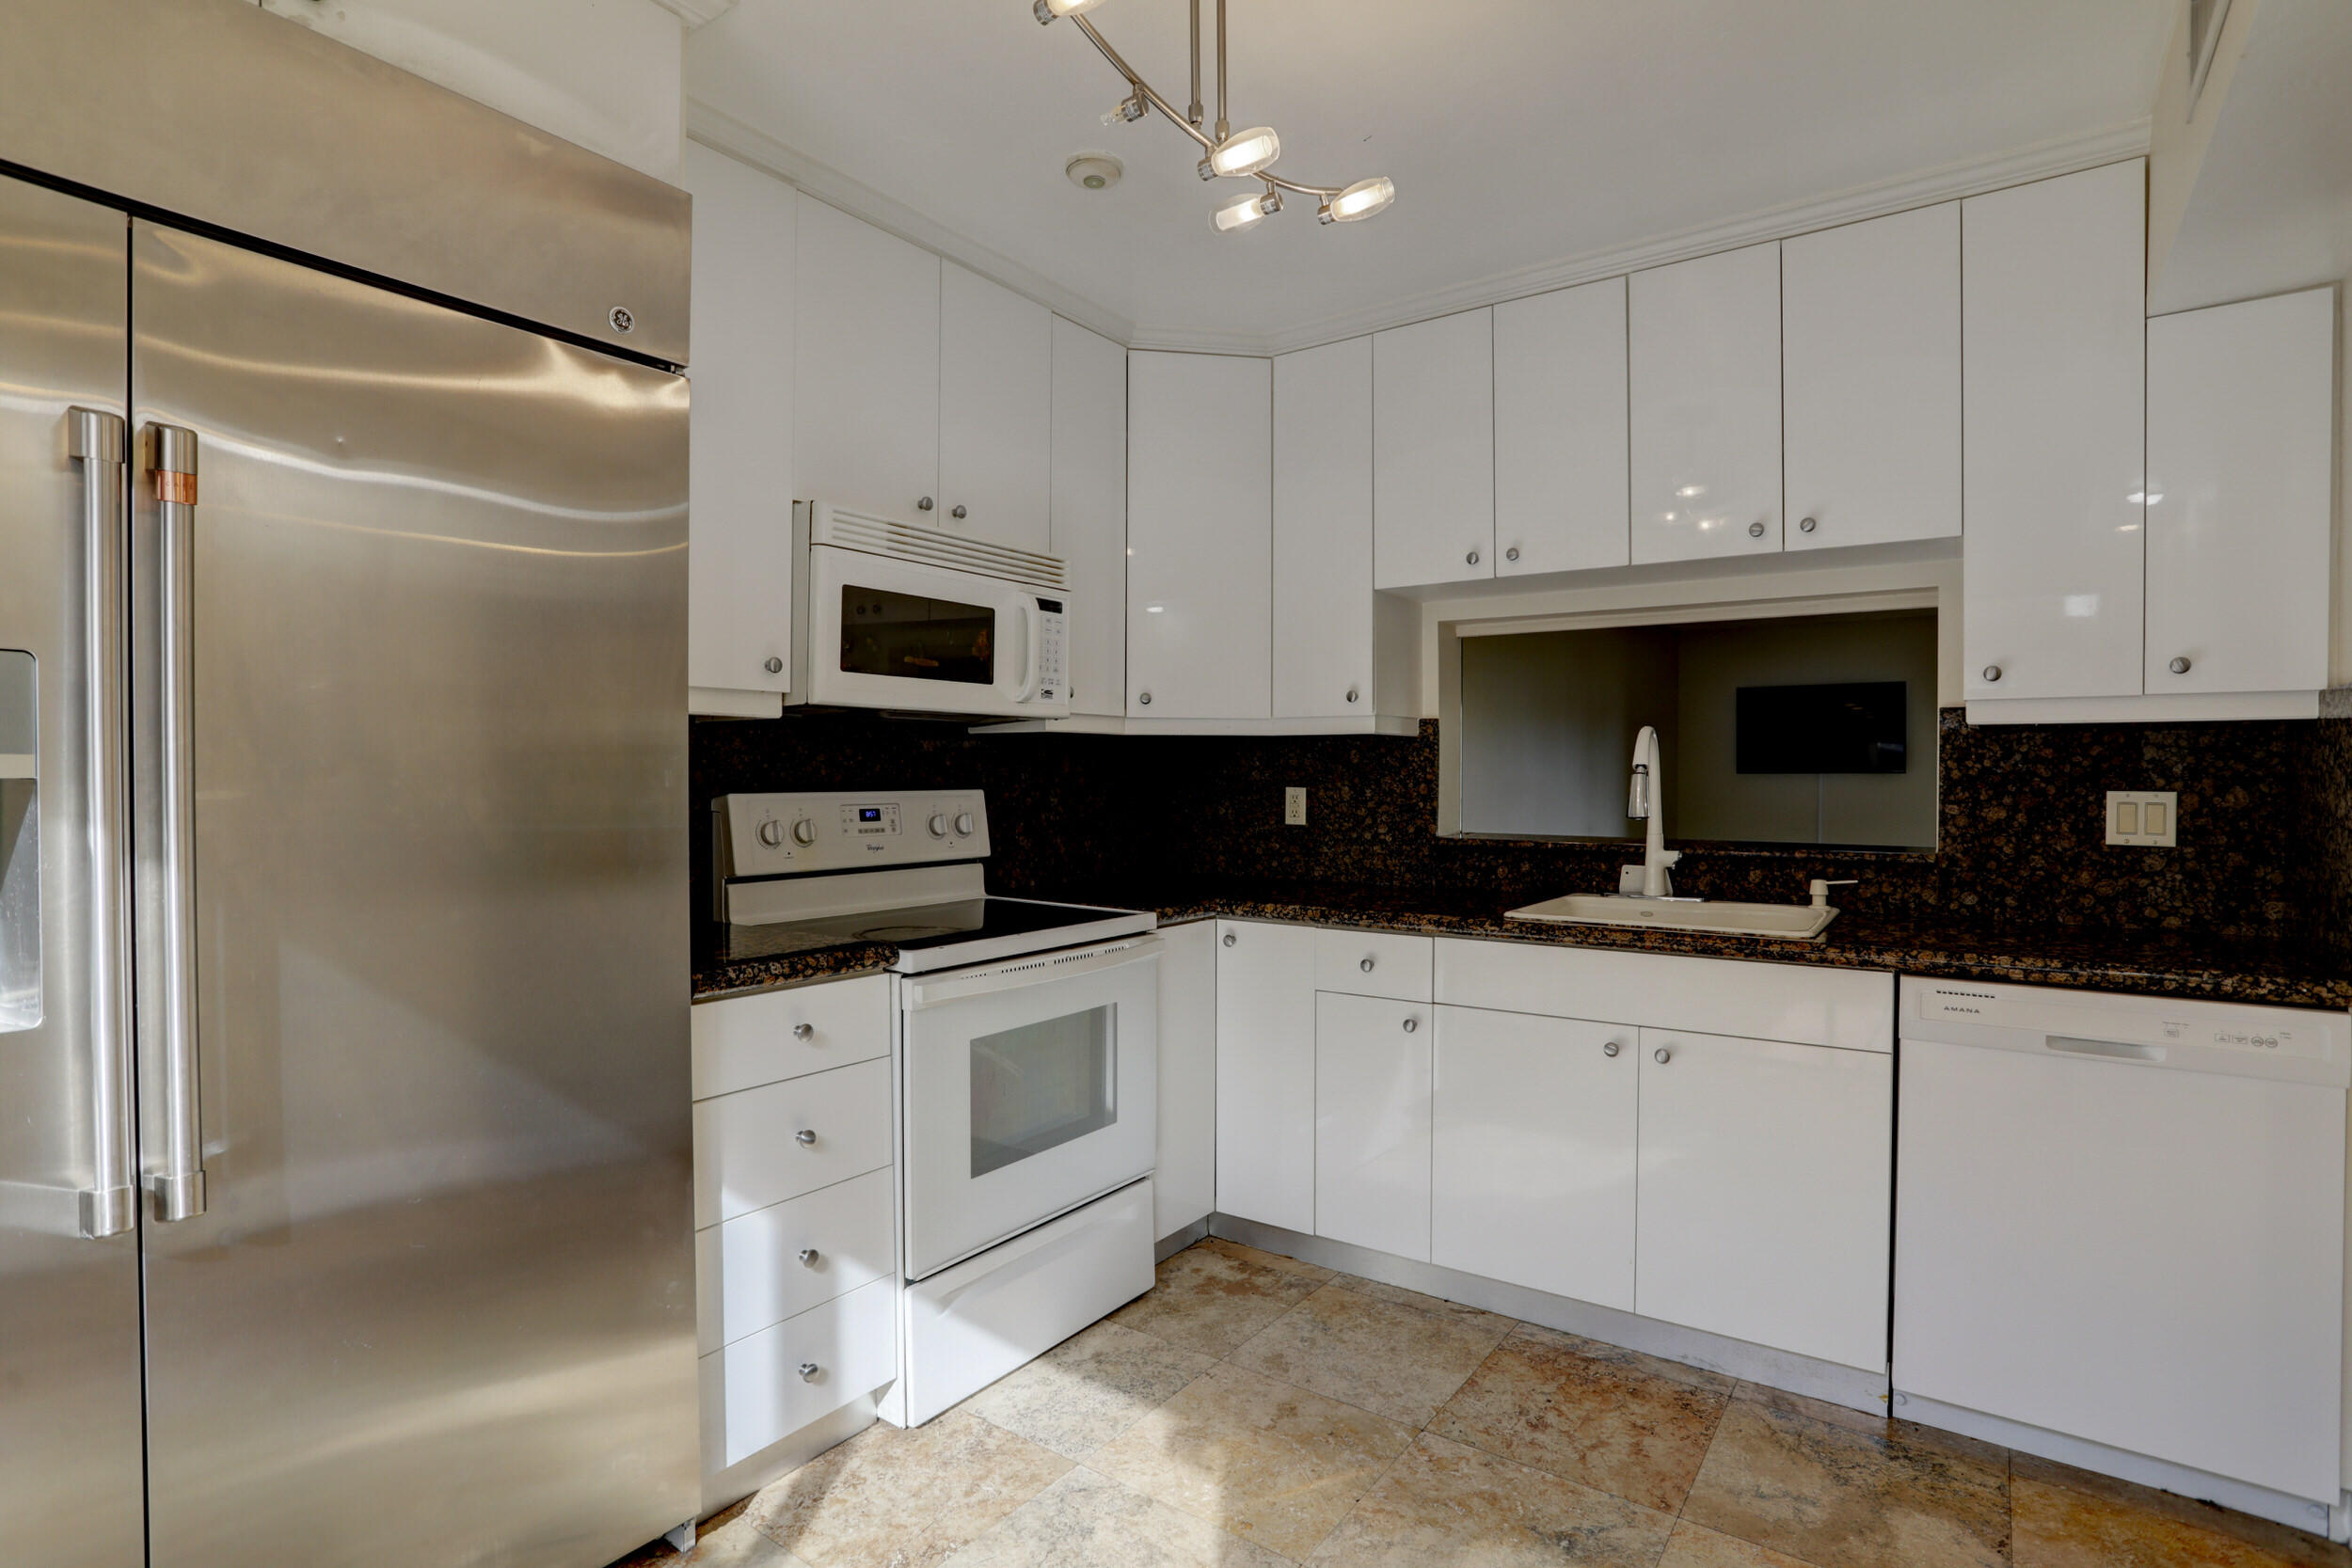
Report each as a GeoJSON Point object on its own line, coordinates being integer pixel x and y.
{"type": "Point", "coordinates": [2121, 1051]}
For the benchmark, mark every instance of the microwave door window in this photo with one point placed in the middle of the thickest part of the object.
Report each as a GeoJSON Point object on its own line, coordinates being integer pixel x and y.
{"type": "Point", "coordinates": [912, 637]}
{"type": "Point", "coordinates": [1043, 1084]}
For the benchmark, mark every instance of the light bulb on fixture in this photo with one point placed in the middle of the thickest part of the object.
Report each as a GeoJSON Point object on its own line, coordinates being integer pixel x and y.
{"type": "Point", "coordinates": [1046, 10]}
{"type": "Point", "coordinates": [1236, 215]}
{"type": "Point", "coordinates": [1243, 154]}
{"type": "Point", "coordinates": [1359, 200]}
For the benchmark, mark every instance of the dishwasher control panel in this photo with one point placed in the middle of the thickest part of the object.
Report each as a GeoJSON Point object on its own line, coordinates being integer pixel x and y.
{"type": "Point", "coordinates": [2291, 1043]}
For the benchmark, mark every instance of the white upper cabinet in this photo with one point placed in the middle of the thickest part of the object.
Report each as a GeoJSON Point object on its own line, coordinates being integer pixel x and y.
{"type": "Point", "coordinates": [1432, 477]}
{"type": "Point", "coordinates": [1200, 526]}
{"type": "Point", "coordinates": [2241, 444]}
{"type": "Point", "coordinates": [996, 412]}
{"type": "Point", "coordinates": [1704, 369]}
{"type": "Point", "coordinates": [1323, 634]}
{"type": "Point", "coordinates": [1560, 431]}
{"type": "Point", "coordinates": [739, 650]}
{"type": "Point", "coordinates": [2053, 328]}
{"type": "Point", "coordinates": [1870, 363]}
{"type": "Point", "coordinates": [1089, 511]}
{"type": "Point", "coordinates": [866, 377]}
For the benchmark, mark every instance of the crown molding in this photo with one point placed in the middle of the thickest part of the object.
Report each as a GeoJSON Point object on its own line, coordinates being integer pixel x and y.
{"type": "Point", "coordinates": [2019, 167]}
{"type": "Point", "coordinates": [696, 13]}
{"type": "Point", "coordinates": [723, 133]}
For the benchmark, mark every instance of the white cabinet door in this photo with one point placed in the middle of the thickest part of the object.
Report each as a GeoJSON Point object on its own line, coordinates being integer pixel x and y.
{"type": "Point", "coordinates": [1184, 1184]}
{"type": "Point", "coordinates": [1433, 467]}
{"type": "Point", "coordinates": [1265, 1074]}
{"type": "Point", "coordinates": [1870, 357]}
{"type": "Point", "coordinates": [1372, 1122]}
{"type": "Point", "coordinates": [996, 412]}
{"type": "Point", "coordinates": [739, 562]}
{"type": "Point", "coordinates": [1323, 634]}
{"type": "Point", "coordinates": [1560, 431]}
{"type": "Point", "coordinates": [1766, 1192]}
{"type": "Point", "coordinates": [1704, 372]}
{"type": "Point", "coordinates": [1201, 525]}
{"type": "Point", "coordinates": [2053, 328]}
{"type": "Point", "coordinates": [2241, 444]}
{"type": "Point", "coordinates": [1089, 517]}
{"type": "Point", "coordinates": [1532, 1158]}
{"type": "Point", "coordinates": [865, 371]}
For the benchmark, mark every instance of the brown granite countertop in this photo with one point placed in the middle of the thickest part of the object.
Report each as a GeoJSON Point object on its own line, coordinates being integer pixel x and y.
{"type": "Point", "coordinates": [2142, 964]}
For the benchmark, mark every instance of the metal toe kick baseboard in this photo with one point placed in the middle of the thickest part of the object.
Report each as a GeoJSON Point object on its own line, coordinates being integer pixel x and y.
{"type": "Point", "coordinates": [1851, 1386]}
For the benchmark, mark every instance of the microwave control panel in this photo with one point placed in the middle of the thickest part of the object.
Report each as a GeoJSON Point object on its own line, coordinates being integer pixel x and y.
{"type": "Point", "coordinates": [772, 835]}
{"type": "Point", "coordinates": [1053, 652]}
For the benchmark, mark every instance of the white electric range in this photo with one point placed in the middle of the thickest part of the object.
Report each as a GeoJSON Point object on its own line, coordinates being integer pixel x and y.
{"type": "Point", "coordinates": [1026, 1067]}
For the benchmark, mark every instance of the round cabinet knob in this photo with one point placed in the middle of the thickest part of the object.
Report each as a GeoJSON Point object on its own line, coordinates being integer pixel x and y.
{"type": "Point", "coordinates": [804, 1031]}
{"type": "Point", "coordinates": [1144, 697]}
{"type": "Point", "coordinates": [1351, 693]}
{"type": "Point", "coordinates": [956, 513]}
{"type": "Point", "coordinates": [774, 665]}
{"type": "Point", "coordinates": [808, 1256]}
{"type": "Point", "coordinates": [1471, 558]}
{"type": "Point", "coordinates": [1511, 554]}
{"type": "Point", "coordinates": [809, 1370]}
{"type": "Point", "coordinates": [1807, 525]}
{"type": "Point", "coordinates": [1411, 1024]}
{"type": "Point", "coordinates": [1365, 966]}
{"type": "Point", "coordinates": [804, 832]}
{"type": "Point", "coordinates": [805, 1137]}
{"type": "Point", "coordinates": [1991, 673]}
{"type": "Point", "coordinates": [923, 505]}
{"type": "Point", "coordinates": [939, 824]}
{"type": "Point", "coordinates": [1230, 939]}
{"type": "Point", "coordinates": [1756, 530]}
{"type": "Point", "coordinates": [1611, 1049]}
{"type": "Point", "coordinates": [772, 832]}
{"type": "Point", "coordinates": [2179, 667]}
{"type": "Point", "coordinates": [964, 823]}
{"type": "Point", "coordinates": [1661, 1056]}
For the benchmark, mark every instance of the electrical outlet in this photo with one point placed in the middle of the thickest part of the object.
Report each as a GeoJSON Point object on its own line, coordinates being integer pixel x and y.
{"type": "Point", "coordinates": [2149, 817]}
{"type": "Point", "coordinates": [1294, 806]}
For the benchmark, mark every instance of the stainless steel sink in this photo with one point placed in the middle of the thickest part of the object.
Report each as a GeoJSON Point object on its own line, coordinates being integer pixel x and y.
{"type": "Point", "coordinates": [1780, 922]}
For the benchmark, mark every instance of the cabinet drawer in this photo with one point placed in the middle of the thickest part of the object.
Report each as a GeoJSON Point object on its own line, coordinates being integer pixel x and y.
{"type": "Point", "coordinates": [1372, 964]}
{"type": "Point", "coordinates": [1807, 1004]}
{"type": "Point", "coordinates": [748, 1041]}
{"type": "Point", "coordinates": [755, 1394]}
{"type": "Point", "coordinates": [749, 1272]}
{"type": "Point", "coordinates": [748, 1153]}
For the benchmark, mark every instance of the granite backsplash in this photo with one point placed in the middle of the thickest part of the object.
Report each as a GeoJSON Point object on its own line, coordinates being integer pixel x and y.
{"type": "Point", "coordinates": [2266, 812]}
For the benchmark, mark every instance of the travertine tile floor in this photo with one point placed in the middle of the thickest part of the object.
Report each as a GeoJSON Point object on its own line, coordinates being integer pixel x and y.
{"type": "Point", "coordinates": [1253, 1411]}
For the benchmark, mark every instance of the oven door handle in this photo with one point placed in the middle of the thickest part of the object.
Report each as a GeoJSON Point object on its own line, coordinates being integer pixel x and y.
{"type": "Point", "coordinates": [1015, 974]}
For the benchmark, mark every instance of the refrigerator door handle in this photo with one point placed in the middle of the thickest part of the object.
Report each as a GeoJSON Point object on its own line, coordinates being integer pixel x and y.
{"type": "Point", "coordinates": [109, 1205]}
{"type": "Point", "coordinates": [178, 1184]}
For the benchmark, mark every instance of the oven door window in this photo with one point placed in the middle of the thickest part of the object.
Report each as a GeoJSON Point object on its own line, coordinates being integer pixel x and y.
{"type": "Point", "coordinates": [916, 638]}
{"type": "Point", "coordinates": [1043, 1084]}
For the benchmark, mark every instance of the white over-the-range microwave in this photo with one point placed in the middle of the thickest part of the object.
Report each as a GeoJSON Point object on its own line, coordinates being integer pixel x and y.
{"type": "Point", "coordinates": [919, 620]}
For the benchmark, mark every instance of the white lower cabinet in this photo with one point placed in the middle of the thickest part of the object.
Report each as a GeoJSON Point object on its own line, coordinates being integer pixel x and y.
{"type": "Point", "coordinates": [774, 1263]}
{"type": "Point", "coordinates": [1372, 1122]}
{"type": "Point", "coordinates": [762, 1390]}
{"type": "Point", "coordinates": [1766, 1186]}
{"type": "Point", "coordinates": [1184, 1184]}
{"type": "Point", "coordinates": [1531, 1158]}
{"type": "Point", "coordinates": [1265, 1074]}
{"type": "Point", "coordinates": [761, 1145]}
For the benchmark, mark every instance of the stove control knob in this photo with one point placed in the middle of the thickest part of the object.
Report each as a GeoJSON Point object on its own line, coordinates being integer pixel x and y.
{"type": "Point", "coordinates": [939, 824]}
{"type": "Point", "coordinates": [772, 832]}
{"type": "Point", "coordinates": [964, 823]}
{"type": "Point", "coordinates": [804, 832]}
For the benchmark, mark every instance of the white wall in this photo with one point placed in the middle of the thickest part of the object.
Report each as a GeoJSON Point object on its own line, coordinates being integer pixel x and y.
{"type": "Point", "coordinates": [603, 74]}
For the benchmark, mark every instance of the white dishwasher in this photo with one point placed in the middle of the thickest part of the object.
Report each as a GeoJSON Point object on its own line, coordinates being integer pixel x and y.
{"type": "Point", "coordinates": [2120, 1226]}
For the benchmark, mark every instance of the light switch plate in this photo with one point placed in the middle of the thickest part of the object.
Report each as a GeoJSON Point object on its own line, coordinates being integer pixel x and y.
{"type": "Point", "coordinates": [1294, 806]}
{"type": "Point", "coordinates": [2147, 817]}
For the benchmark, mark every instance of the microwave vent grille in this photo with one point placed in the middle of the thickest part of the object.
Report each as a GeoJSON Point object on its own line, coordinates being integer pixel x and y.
{"type": "Point", "coordinates": [932, 546]}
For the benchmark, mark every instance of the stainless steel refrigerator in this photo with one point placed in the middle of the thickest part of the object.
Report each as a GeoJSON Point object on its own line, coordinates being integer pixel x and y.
{"type": "Point", "coordinates": [344, 1153]}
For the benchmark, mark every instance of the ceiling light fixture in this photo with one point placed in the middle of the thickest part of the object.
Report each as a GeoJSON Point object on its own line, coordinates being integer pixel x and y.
{"type": "Point", "coordinates": [1229, 153]}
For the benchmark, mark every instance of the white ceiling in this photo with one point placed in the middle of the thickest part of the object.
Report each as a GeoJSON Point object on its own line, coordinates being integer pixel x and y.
{"type": "Point", "coordinates": [1522, 135]}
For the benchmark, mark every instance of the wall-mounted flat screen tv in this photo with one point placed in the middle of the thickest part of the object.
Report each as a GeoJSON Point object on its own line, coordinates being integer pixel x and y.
{"type": "Point", "coordinates": [1849, 727]}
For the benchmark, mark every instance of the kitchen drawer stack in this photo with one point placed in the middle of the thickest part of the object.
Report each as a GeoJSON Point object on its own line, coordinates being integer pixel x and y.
{"type": "Point", "coordinates": [795, 1247]}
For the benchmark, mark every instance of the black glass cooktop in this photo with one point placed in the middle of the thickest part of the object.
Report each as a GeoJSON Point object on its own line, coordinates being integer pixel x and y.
{"type": "Point", "coordinates": [919, 927]}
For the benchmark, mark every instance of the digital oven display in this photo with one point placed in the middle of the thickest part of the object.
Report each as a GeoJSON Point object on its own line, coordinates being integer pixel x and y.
{"type": "Point", "coordinates": [870, 814]}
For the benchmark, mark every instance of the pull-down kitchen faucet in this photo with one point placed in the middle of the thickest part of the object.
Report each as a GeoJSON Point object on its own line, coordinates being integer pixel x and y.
{"type": "Point", "coordinates": [1647, 799]}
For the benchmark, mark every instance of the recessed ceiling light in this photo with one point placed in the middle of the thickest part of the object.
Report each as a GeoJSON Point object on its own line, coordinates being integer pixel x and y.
{"type": "Point", "coordinates": [1094, 171]}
